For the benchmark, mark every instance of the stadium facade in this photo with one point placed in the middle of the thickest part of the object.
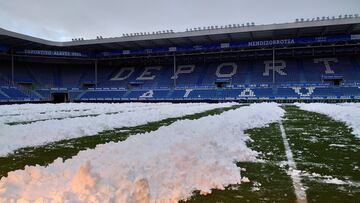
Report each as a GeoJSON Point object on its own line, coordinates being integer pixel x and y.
{"type": "Point", "coordinates": [313, 60]}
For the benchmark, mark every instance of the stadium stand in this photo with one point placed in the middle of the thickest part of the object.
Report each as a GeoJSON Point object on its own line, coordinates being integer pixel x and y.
{"type": "Point", "coordinates": [307, 67]}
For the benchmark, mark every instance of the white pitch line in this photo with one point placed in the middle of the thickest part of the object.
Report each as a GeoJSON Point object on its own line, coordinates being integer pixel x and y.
{"type": "Point", "coordinates": [294, 173]}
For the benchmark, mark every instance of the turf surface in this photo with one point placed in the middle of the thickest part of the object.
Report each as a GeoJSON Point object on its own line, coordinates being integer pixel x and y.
{"type": "Point", "coordinates": [323, 149]}
{"type": "Point", "coordinates": [45, 154]}
{"type": "Point", "coordinates": [268, 179]}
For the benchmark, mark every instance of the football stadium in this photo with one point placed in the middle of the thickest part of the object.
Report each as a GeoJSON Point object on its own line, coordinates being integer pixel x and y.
{"type": "Point", "coordinates": [228, 113]}
{"type": "Point", "coordinates": [312, 59]}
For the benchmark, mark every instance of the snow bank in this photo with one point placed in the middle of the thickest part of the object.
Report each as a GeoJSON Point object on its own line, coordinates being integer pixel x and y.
{"type": "Point", "coordinates": [37, 108]}
{"type": "Point", "coordinates": [347, 113]}
{"type": "Point", "coordinates": [38, 133]}
{"type": "Point", "coordinates": [162, 166]}
{"type": "Point", "coordinates": [17, 113]}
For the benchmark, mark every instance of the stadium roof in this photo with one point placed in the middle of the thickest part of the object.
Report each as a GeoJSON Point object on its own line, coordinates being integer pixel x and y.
{"type": "Point", "coordinates": [208, 36]}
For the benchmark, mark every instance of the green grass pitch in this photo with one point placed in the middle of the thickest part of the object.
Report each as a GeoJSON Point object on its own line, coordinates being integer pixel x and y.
{"type": "Point", "coordinates": [323, 149]}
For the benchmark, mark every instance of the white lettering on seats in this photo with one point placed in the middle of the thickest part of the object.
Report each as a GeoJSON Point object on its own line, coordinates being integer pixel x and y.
{"type": "Point", "coordinates": [120, 76]}
{"type": "Point", "coordinates": [147, 74]}
{"type": "Point", "coordinates": [309, 89]}
{"type": "Point", "coordinates": [247, 93]}
{"type": "Point", "coordinates": [148, 94]}
{"type": "Point", "coordinates": [187, 92]}
{"type": "Point", "coordinates": [226, 75]}
{"type": "Point", "coordinates": [183, 69]}
{"type": "Point", "coordinates": [278, 67]}
{"type": "Point", "coordinates": [326, 62]}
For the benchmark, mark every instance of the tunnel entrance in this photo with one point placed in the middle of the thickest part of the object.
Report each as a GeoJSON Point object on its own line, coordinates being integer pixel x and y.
{"type": "Point", "coordinates": [59, 97]}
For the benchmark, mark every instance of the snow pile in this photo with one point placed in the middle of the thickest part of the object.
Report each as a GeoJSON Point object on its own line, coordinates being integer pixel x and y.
{"type": "Point", "coordinates": [58, 111]}
{"type": "Point", "coordinates": [166, 165]}
{"type": "Point", "coordinates": [38, 133]}
{"type": "Point", "coordinates": [347, 113]}
{"type": "Point", "coordinates": [15, 109]}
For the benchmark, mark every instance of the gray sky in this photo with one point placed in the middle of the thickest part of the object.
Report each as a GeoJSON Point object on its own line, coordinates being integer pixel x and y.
{"type": "Point", "coordinates": [65, 19]}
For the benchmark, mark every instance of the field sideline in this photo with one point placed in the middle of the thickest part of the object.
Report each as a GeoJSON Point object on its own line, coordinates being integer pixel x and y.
{"type": "Point", "coordinates": [298, 153]}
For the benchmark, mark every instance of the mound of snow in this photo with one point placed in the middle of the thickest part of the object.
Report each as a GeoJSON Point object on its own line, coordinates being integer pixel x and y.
{"type": "Point", "coordinates": [38, 133]}
{"type": "Point", "coordinates": [166, 165]}
{"type": "Point", "coordinates": [58, 111]}
{"type": "Point", "coordinates": [347, 113]}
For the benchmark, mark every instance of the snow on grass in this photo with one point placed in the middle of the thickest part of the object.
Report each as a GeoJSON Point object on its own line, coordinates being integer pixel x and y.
{"type": "Point", "coordinates": [347, 113]}
{"type": "Point", "coordinates": [329, 179]}
{"type": "Point", "coordinates": [166, 165]}
{"type": "Point", "coordinates": [17, 113]}
{"type": "Point", "coordinates": [38, 133]}
{"type": "Point", "coordinates": [23, 109]}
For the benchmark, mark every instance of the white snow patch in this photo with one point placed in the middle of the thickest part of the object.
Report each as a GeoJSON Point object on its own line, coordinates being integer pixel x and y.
{"type": "Point", "coordinates": [38, 133]}
{"type": "Point", "coordinates": [335, 181]}
{"type": "Point", "coordinates": [166, 165]}
{"type": "Point", "coordinates": [59, 111]}
{"type": "Point", "coordinates": [329, 179]}
{"type": "Point", "coordinates": [337, 145]}
{"type": "Point", "coordinates": [347, 113]}
{"type": "Point", "coordinates": [245, 180]}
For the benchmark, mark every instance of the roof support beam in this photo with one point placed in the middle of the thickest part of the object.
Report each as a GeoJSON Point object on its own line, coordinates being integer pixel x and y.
{"type": "Point", "coordinates": [350, 29]}
{"type": "Point", "coordinates": [137, 44]}
{"type": "Point", "coordinates": [251, 36]}
{"type": "Point", "coordinates": [273, 34]}
{"type": "Point", "coordinates": [298, 32]}
{"type": "Point", "coordinates": [22, 45]}
{"type": "Point", "coordinates": [230, 38]}
{"type": "Point", "coordinates": [153, 43]}
{"type": "Point", "coordinates": [171, 42]}
{"type": "Point", "coordinates": [324, 30]}
{"type": "Point", "coordinates": [189, 40]}
{"type": "Point", "coordinates": [208, 38]}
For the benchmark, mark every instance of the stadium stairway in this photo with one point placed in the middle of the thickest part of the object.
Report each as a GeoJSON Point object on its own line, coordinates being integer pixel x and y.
{"type": "Point", "coordinates": [3, 95]}
{"type": "Point", "coordinates": [202, 76]}
{"type": "Point", "coordinates": [168, 96]}
{"type": "Point", "coordinates": [41, 97]}
{"type": "Point", "coordinates": [44, 94]}
{"type": "Point", "coordinates": [301, 71]}
{"type": "Point", "coordinates": [32, 76]}
{"type": "Point", "coordinates": [74, 97]}
{"type": "Point", "coordinates": [275, 90]}
{"type": "Point", "coordinates": [127, 93]}
{"type": "Point", "coordinates": [15, 92]}
{"type": "Point", "coordinates": [4, 81]}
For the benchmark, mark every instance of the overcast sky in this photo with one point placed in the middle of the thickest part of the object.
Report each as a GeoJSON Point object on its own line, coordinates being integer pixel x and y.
{"type": "Point", "coordinates": [65, 19]}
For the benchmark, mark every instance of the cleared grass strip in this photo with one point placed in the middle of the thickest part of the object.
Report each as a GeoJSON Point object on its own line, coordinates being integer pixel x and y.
{"type": "Point", "coordinates": [269, 181]}
{"type": "Point", "coordinates": [43, 155]}
{"type": "Point", "coordinates": [326, 153]}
